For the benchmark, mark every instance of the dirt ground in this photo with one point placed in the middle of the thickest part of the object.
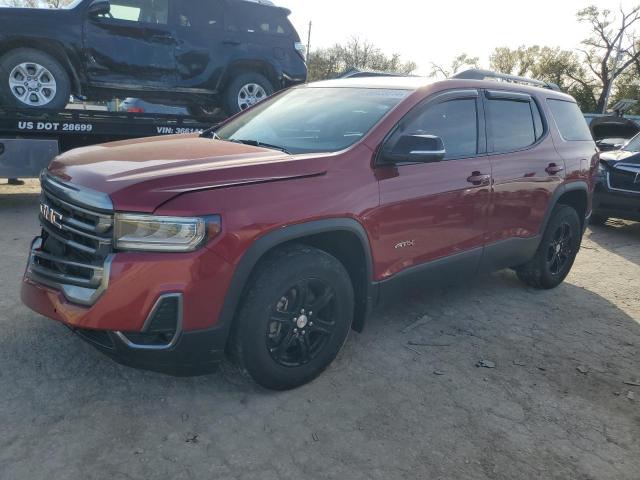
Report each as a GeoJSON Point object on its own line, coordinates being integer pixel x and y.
{"type": "Point", "coordinates": [556, 405]}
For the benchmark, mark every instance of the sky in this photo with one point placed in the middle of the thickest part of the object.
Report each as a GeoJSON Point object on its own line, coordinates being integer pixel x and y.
{"type": "Point", "coordinates": [425, 31]}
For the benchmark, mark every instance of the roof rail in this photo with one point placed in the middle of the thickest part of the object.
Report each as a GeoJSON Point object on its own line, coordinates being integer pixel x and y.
{"type": "Point", "coordinates": [477, 74]}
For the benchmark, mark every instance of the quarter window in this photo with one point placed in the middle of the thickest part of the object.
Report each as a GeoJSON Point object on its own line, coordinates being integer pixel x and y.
{"type": "Point", "coordinates": [511, 124]}
{"type": "Point", "coordinates": [454, 121]}
{"type": "Point", "coordinates": [570, 121]}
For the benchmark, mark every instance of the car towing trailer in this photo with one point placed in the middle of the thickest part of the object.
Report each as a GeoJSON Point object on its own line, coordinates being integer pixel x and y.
{"type": "Point", "coordinates": [30, 139]}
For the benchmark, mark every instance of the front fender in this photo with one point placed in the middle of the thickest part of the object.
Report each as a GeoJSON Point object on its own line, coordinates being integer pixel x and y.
{"type": "Point", "coordinates": [290, 233]}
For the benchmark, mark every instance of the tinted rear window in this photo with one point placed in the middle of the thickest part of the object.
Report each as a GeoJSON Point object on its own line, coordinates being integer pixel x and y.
{"type": "Point", "coordinates": [511, 125]}
{"type": "Point", "coordinates": [203, 14]}
{"type": "Point", "coordinates": [252, 18]}
{"type": "Point", "coordinates": [570, 121]}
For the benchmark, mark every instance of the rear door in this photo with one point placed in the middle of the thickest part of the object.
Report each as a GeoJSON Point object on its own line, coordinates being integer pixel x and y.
{"type": "Point", "coordinates": [261, 33]}
{"type": "Point", "coordinates": [436, 212]}
{"type": "Point", "coordinates": [132, 46]}
{"type": "Point", "coordinates": [203, 51]}
{"type": "Point", "coordinates": [525, 166]}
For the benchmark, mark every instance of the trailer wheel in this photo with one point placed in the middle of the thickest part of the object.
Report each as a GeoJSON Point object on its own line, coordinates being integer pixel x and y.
{"type": "Point", "coordinates": [33, 79]}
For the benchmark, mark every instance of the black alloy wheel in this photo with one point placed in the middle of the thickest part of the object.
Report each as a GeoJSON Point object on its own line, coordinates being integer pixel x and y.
{"type": "Point", "coordinates": [557, 251]}
{"type": "Point", "coordinates": [301, 323]}
{"type": "Point", "coordinates": [295, 317]}
{"type": "Point", "coordinates": [560, 249]}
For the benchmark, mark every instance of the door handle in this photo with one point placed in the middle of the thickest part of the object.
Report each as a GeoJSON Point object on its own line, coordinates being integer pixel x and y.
{"type": "Point", "coordinates": [162, 36]}
{"type": "Point", "coordinates": [478, 178]}
{"type": "Point", "coordinates": [553, 169]}
{"type": "Point", "coordinates": [233, 43]}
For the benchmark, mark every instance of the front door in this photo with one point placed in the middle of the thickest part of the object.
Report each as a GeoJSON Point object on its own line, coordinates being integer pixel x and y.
{"type": "Point", "coordinates": [436, 213]}
{"type": "Point", "coordinates": [131, 47]}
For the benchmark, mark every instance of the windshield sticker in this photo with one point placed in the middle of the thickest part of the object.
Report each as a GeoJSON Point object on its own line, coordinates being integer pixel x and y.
{"type": "Point", "coordinates": [378, 93]}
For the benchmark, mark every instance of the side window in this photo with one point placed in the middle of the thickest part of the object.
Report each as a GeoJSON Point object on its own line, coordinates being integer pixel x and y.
{"type": "Point", "coordinates": [454, 121]}
{"type": "Point", "coordinates": [570, 121]}
{"type": "Point", "coordinates": [146, 11]}
{"type": "Point", "coordinates": [251, 18]}
{"type": "Point", "coordinates": [202, 14]}
{"type": "Point", "coordinates": [511, 124]}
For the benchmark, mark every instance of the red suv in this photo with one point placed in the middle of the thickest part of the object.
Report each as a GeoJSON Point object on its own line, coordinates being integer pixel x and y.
{"type": "Point", "coordinates": [273, 235]}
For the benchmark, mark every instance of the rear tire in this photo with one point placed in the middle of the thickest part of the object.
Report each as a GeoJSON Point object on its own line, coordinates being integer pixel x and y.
{"type": "Point", "coordinates": [598, 220]}
{"type": "Point", "coordinates": [25, 68]}
{"type": "Point", "coordinates": [557, 251]}
{"type": "Point", "coordinates": [295, 318]}
{"type": "Point", "coordinates": [246, 90]}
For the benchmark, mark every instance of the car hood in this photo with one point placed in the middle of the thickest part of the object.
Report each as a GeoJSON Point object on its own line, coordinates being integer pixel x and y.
{"type": "Point", "coordinates": [620, 156]}
{"type": "Point", "coordinates": [140, 175]}
{"type": "Point", "coordinates": [613, 127]}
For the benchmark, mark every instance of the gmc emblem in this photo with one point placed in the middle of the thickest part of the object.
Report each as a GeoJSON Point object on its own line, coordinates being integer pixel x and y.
{"type": "Point", "coordinates": [51, 216]}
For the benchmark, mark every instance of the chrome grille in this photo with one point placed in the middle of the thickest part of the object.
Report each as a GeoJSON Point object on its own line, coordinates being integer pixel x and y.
{"type": "Point", "coordinates": [625, 177]}
{"type": "Point", "coordinates": [74, 251]}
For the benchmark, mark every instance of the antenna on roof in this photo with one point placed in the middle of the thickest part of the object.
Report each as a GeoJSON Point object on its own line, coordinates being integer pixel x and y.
{"type": "Point", "coordinates": [477, 74]}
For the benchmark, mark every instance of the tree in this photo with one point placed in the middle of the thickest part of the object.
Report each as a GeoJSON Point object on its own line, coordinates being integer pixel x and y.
{"type": "Point", "coordinates": [611, 49]}
{"type": "Point", "coordinates": [58, 3]}
{"type": "Point", "coordinates": [550, 64]}
{"type": "Point", "coordinates": [462, 60]}
{"type": "Point", "coordinates": [35, 3]}
{"type": "Point", "coordinates": [361, 54]}
{"type": "Point", "coordinates": [21, 3]}
{"type": "Point", "coordinates": [628, 86]}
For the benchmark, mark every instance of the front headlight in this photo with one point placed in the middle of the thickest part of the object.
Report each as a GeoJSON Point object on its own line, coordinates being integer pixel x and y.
{"type": "Point", "coordinates": [162, 234]}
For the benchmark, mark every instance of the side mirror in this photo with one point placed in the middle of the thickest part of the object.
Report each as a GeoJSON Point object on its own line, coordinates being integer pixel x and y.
{"type": "Point", "coordinates": [99, 7]}
{"type": "Point", "coordinates": [417, 148]}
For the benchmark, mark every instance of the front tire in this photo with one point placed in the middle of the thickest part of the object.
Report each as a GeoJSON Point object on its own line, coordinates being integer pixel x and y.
{"type": "Point", "coordinates": [246, 90]}
{"type": "Point", "coordinates": [295, 318]}
{"type": "Point", "coordinates": [33, 79]}
{"type": "Point", "coordinates": [557, 251]}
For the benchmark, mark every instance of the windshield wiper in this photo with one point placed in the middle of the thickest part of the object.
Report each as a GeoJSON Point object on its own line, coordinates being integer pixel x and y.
{"type": "Point", "coordinates": [256, 143]}
{"type": "Point", "coordinates": [211, 133]}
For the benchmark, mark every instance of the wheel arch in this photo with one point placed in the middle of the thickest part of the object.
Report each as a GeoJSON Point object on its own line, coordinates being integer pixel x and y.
{"type": "Point", "coordinates": [239, 67]}
{"type": "Point", "coordinates": [574, 194]}
{"type": "Point", "coordinates": [344, 238]}
{"type": "Point", "coordinates": [55, 49]}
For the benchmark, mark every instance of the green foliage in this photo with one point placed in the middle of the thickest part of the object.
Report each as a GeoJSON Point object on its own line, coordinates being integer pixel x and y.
{"type": "Point", "coordinates": [461, 61]}
{"type": "Point", "coordinates": [35, 3]}
{"type": "Point", "coordinates": [611, 49]}
{"type": "Point", "coordinates": [330, 62]}
{"type": "Point", "coordinates": [550, 64]}
{"type": "Point", "coordinates": [21, 3]}
{"type": "Point", "coordinates": [628, 86]}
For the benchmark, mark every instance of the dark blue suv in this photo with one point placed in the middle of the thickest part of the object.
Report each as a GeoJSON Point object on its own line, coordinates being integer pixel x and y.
{"type": "Point", "coordinates": [202, 53]}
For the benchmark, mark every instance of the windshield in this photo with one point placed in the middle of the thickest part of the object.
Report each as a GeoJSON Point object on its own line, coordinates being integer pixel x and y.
{"type": "Point", "coordinates": [633, 145]}
{"type": "Point", "coordinates": [313, 120]}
